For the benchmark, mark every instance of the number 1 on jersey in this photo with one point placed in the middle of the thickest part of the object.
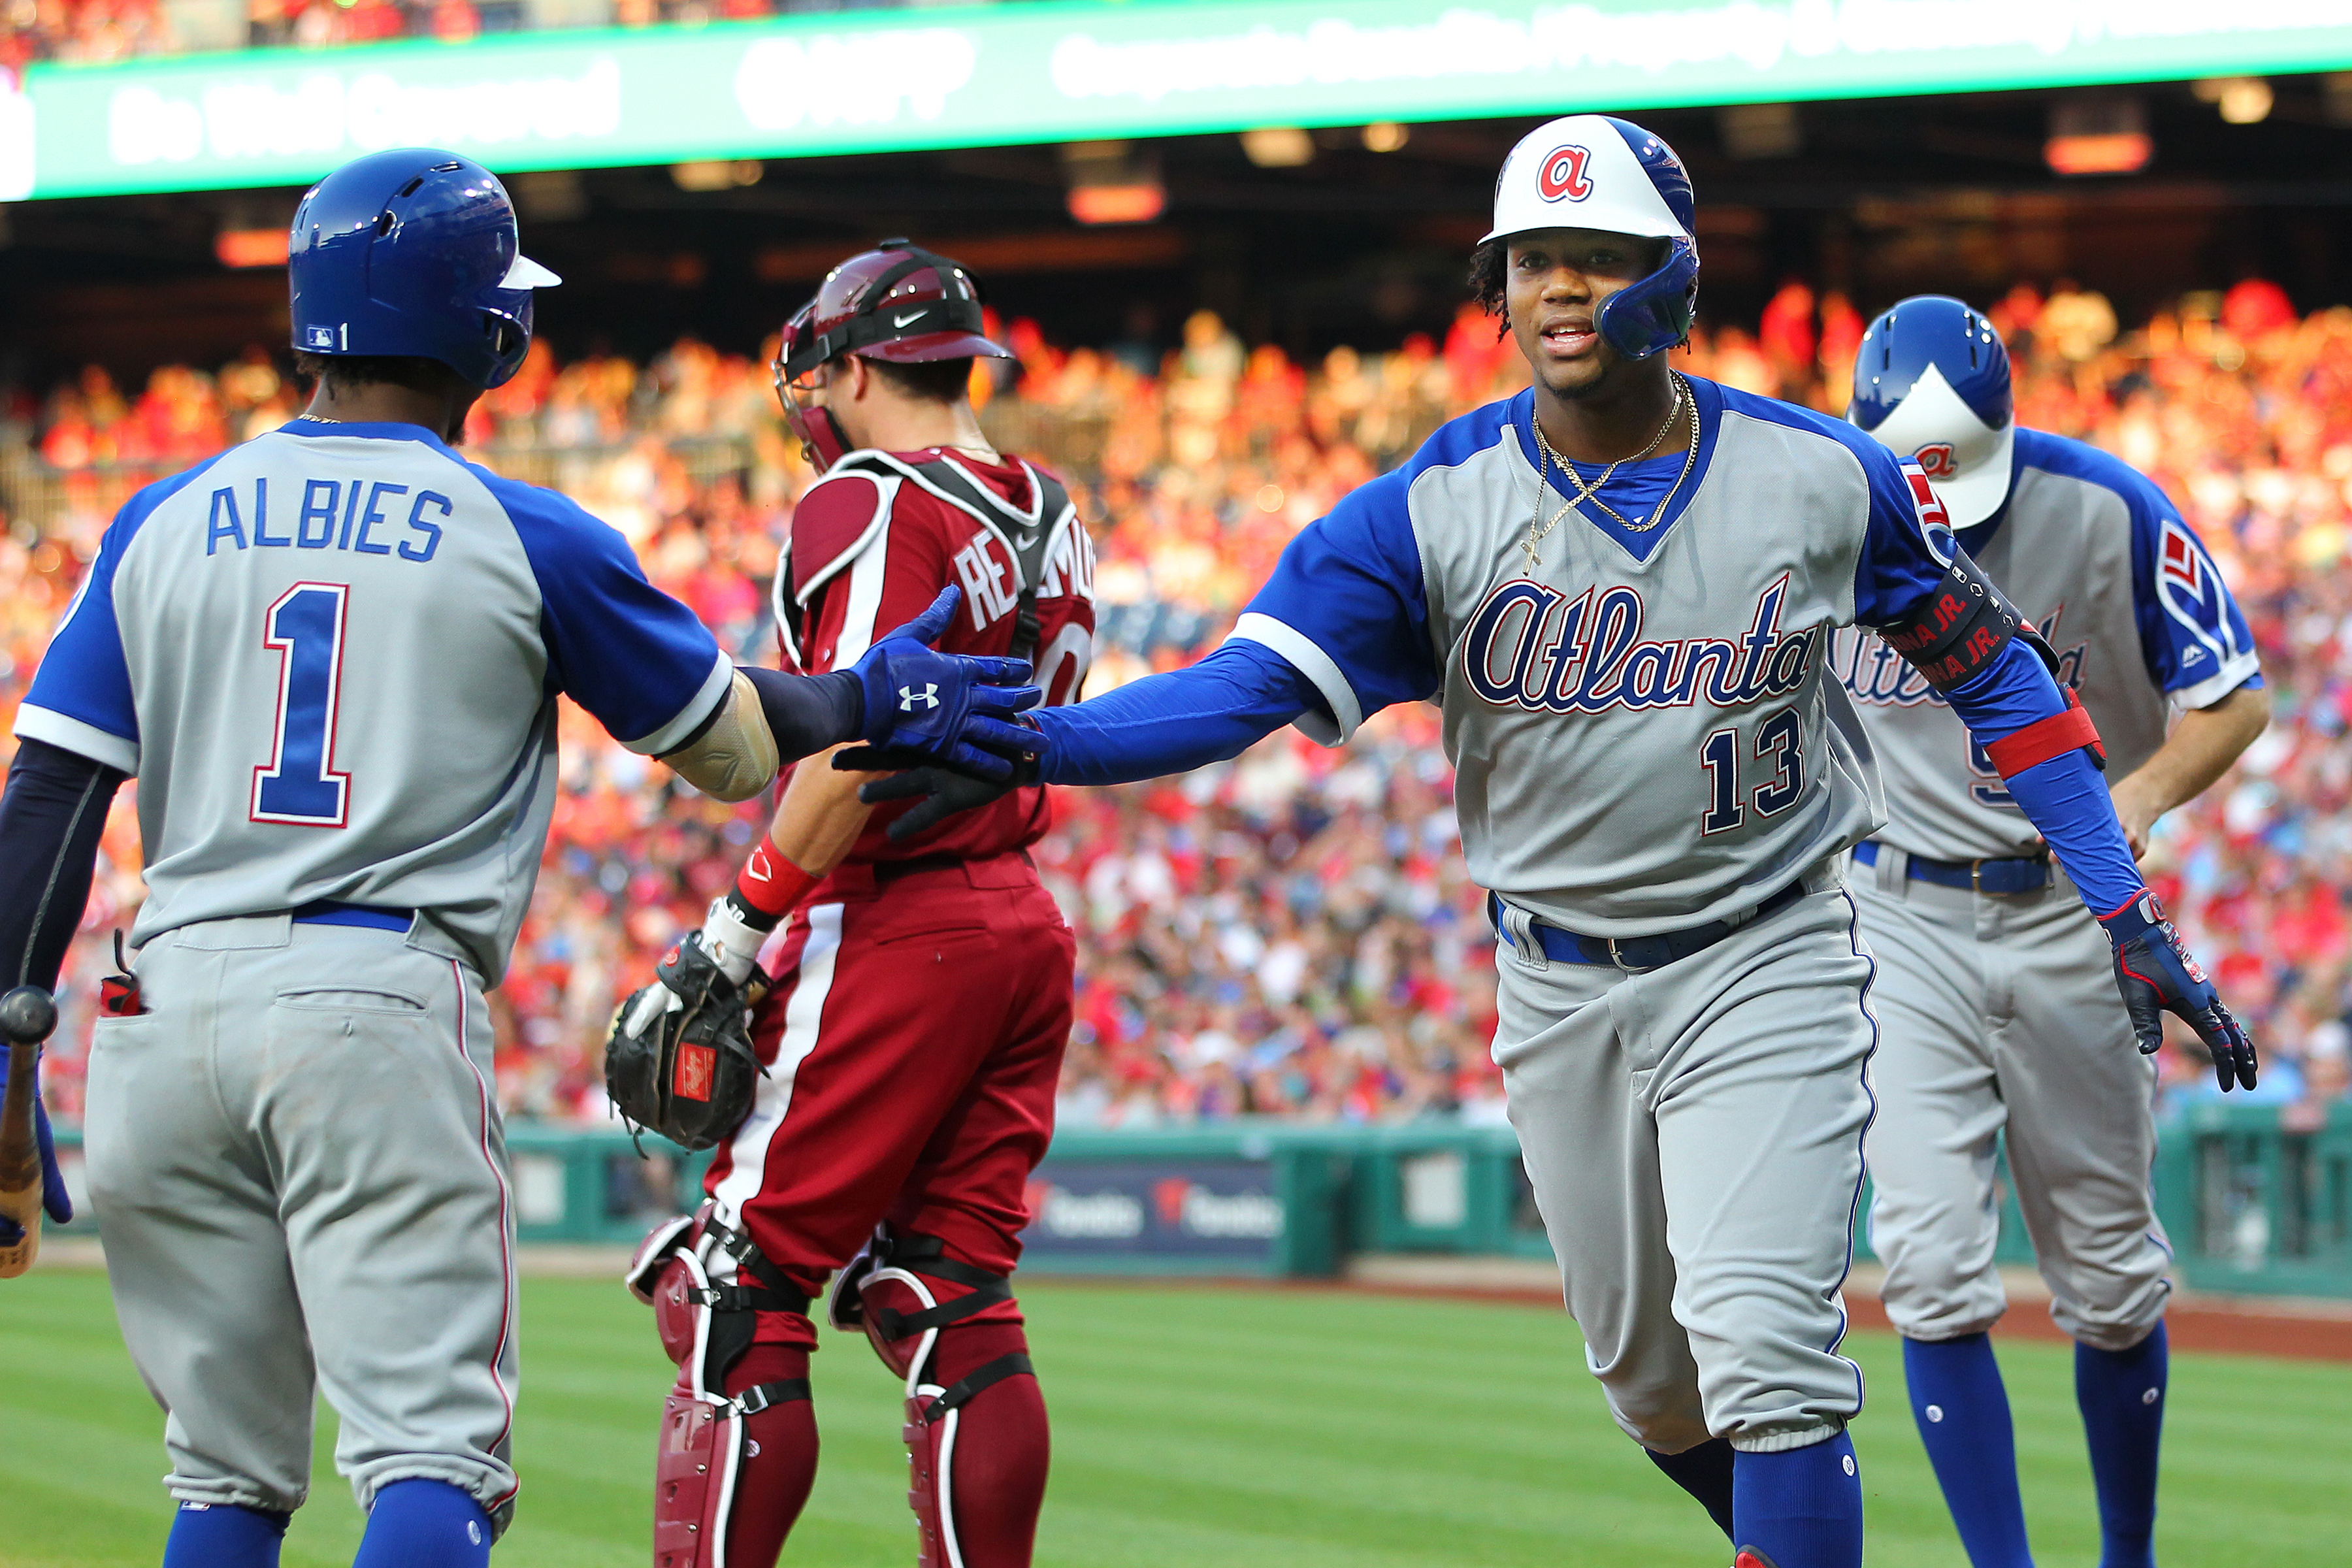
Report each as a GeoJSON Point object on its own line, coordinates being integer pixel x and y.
{"type": "Point", "coordinates": [298, 783]}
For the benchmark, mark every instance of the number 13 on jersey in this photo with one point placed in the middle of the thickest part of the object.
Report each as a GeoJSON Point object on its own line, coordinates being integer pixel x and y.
{"type": "Point", "coordinates": [1778, 754]}
{"type": "Point", "coordinates": [298, 783]}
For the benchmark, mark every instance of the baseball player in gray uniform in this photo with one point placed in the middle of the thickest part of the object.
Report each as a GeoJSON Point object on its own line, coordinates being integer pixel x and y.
{"type": "Point", "coordinates": [330, 657]}
{"type": "Point", "coordinates": [1618, 587]}
{"type": "Point", "coordinates": [1996, 1024]}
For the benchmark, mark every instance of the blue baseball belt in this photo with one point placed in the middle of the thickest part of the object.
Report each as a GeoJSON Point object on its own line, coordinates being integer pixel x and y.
{"type": "Point", "coordinates": [1633, 952]}
{"type": "Point", "coordinates": [335, 912]}
{"type": "Point", "coordinates": [2020, 874]}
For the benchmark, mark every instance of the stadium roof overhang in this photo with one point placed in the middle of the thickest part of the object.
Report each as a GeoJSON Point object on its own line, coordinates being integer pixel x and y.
{"type": "Point", "coordinates": [983, 76]}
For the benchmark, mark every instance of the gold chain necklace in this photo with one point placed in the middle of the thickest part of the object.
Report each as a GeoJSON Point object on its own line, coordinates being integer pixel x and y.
{"type": "Point", "coordinates": [1539, 529]}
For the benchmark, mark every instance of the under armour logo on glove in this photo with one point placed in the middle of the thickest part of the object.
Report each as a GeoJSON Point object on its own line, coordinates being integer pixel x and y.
{"type": "Point", "coordinates": [944, 708]}
{"type": "Point", "coordinates": [2156, 976]}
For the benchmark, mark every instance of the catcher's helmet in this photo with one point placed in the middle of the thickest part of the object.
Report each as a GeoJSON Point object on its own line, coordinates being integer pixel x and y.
{"type": "Point", "coordinates": [1595, 171]}
{"type": "Point", "coordinates": [1931, 381]}
{"type": "Point", "coordinates": [413, 253]}
{"type": "Point", "coordinates": [898, 302]}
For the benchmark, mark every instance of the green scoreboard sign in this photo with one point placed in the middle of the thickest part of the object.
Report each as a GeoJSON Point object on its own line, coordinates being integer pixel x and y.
{"type": "Point", "coordinates": [866, 80]}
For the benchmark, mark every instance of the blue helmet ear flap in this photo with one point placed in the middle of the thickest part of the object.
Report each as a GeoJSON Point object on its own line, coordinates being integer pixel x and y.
{"type": "Point", "coordinates": [1652, 314]}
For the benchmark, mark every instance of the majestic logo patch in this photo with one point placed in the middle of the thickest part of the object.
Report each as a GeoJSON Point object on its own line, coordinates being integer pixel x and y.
{"type": "Point", "coordinates": [1562, 176]}
{"type": "Point", "coordinates": [1936, 460]}
{"type": "Point", "coordinates": [909, 699]}
{"type": "Point", "coordinates": [1935, 522]}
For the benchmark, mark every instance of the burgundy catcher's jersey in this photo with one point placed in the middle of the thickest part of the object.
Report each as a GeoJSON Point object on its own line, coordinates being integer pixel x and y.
{"type": "Point", "coordinates": [872, 544]}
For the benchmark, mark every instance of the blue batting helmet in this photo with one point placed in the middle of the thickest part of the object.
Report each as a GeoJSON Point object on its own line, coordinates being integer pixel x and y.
{"type": "Point", "coordinates": [1931, 382]}
{"type": "Point", "coordinates": [413, 253]}
{"type": "Point", "coordinates": [1596, 171]}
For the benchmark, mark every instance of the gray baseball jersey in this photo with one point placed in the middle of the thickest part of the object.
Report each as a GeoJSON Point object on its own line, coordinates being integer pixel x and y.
{"type": "Point", "coordinates": [2096, 556]}
{"type": "Point", "coordinates": [330, 657]}
{"type": "Point", "coordinates": [1647, 737]}
{"type": "Point", "coordinates": [1642, 725]}
{"type": "Point", "coordinates": [2000, 1024]}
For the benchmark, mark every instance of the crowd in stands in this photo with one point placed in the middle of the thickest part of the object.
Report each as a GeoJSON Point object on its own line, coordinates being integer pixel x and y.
{"type": "Point", "coordinates": [1292, 933]}
{"type": "Point", "coordinates": [89, 30]}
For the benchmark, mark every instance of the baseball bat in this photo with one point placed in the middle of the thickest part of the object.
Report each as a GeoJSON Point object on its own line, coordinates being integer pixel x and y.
{"type": "Point", "coordinates": [28, 1014]}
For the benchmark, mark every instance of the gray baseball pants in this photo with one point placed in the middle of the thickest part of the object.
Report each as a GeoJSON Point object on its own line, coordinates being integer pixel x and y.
{"type": "Point", "coordinates": [299, 1171]}
{"type": "Point", "coordinates": [2000, 1022]}
{"type": "Point", "coordinates": [1693, 1137]}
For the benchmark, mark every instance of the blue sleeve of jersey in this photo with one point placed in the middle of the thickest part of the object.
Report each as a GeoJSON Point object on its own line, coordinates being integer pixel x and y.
{"type": "Point", "coordinates": [1346, 605]}
{"type": "Point", "coordinates": [2065, 797]}
{"type": "Point", "coordinates": [1907, 545]}
{"type": "Point", "coordinates": [1174, 722]}
{"type": "Point", "coordinates": [616, 644]}
{"type": "Point", "coordinates": [81, 697]}
{"type": "Point", "coordinates": [2192, 635]}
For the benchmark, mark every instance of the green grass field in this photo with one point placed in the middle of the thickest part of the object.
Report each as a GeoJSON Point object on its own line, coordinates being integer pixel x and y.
{"type": "Point", "coordinates": [1227, 1428]}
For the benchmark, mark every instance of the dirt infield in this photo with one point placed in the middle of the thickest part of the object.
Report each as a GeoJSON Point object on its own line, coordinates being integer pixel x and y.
{"type": "Point", "coordinates": [2247, 1325]}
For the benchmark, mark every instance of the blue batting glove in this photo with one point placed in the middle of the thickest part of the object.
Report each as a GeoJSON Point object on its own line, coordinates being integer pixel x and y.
{"type": "Point", "coordinates": [2156, 976]}
{"type": "Point", "coordinates": [53, 1182]}
{"type": "Point", "coordinates": [947, 706]}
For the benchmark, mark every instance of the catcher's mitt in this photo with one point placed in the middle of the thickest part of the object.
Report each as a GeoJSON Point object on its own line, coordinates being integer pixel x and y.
{"type": "Point", "coordinates": [680, 1060]}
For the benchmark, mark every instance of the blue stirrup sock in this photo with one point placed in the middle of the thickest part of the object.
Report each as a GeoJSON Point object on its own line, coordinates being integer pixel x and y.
{"type": "Point", "coordinates": [2121, 1396]}
{"type": "Point", "coordinates": [1800, 1507]}
{"type": "Point", "coordinates": [1704, 1472]}
{"type": "Point", "coordinates": [421, 1524]}
{"type": "Point", "coordinates": [224, 1535]}
{"type": "Point", "coordinates": [1962, 1408]}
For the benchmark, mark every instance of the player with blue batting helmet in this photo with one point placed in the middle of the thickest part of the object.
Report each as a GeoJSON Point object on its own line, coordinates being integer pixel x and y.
{"type": "Point", "coordinates": [1931, 382]}
{"type": "Point", "coordinates": [413, 253]}
{"type": "Point", "coordinates": [1597, 172]}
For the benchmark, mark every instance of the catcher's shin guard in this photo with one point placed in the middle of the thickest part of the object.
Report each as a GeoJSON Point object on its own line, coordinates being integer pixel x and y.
{"type": "Point", "coordinates": [706, 1329]}
{"type": "Point", "coordinates": [903, 1317]}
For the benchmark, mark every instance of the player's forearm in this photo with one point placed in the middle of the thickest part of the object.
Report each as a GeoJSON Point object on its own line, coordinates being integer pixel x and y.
{"type": "Point", "coordinates": [820, 817]}
{"type": "Point", "coordinates": [2199, 751]}
{"type": "Point", "coordinates": [51, 817]}
{"type": "Point", "coordinates": [2059, 785]}
{"type": "Point", "coordinates": [1174, 722]}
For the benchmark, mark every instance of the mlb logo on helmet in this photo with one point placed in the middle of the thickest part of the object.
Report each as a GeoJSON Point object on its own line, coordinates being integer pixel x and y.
{"type": "Point", "coordinates": [1563, 176]}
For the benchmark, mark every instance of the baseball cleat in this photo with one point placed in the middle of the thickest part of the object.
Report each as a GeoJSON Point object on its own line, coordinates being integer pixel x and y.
{"type": "Point", "coordinates": [1750, 1558]}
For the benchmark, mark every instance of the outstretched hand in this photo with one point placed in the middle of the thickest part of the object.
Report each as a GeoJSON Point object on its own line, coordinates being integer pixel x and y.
{"type": "Point", "coordinates": [2156, 976]}
{"type": "Point", "coordinates": [942, 706]}
{"type": "Point", "coordinates": [938, 793]}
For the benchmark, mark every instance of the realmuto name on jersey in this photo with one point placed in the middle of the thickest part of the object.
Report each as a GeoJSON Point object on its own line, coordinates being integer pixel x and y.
{"type": "Point", "coordinates": [1537, 648]}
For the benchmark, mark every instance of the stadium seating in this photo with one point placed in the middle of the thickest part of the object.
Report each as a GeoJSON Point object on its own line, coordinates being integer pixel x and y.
{"type": "Point", "coordinates": [1294, 934]}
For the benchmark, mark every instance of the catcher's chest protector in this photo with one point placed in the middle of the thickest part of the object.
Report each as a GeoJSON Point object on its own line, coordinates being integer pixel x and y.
{"type": "Point", "coordinates": [705, 1329]}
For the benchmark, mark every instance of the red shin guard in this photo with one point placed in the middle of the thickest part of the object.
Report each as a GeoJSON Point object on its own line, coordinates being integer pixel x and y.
{"type": "Point", "coordinates": [778, 1460]}
{"type": "Point", "coordinates": [978, 1448]}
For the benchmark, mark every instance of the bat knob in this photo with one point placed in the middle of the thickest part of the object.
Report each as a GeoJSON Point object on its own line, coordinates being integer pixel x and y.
{"type": "Point", "coordinates": [28, 1015]}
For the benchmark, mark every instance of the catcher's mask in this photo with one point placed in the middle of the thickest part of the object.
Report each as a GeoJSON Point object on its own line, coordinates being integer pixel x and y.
{"type": "Point", "coordinates": [898, 302]}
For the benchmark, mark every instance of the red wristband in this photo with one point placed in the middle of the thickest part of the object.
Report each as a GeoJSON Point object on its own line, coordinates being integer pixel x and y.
{"type": "Point", "coordinates": [2046, 737]}
{"type": "Point", "coordinates": [769, 883]}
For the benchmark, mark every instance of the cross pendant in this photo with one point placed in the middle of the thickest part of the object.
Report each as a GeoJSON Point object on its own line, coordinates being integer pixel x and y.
{"type": "Point", "coordinates": [1534, 560]}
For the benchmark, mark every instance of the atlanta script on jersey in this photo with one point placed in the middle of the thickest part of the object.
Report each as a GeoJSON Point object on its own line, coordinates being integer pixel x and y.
{"type": "Point", "coordinates": [1644, 728]}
